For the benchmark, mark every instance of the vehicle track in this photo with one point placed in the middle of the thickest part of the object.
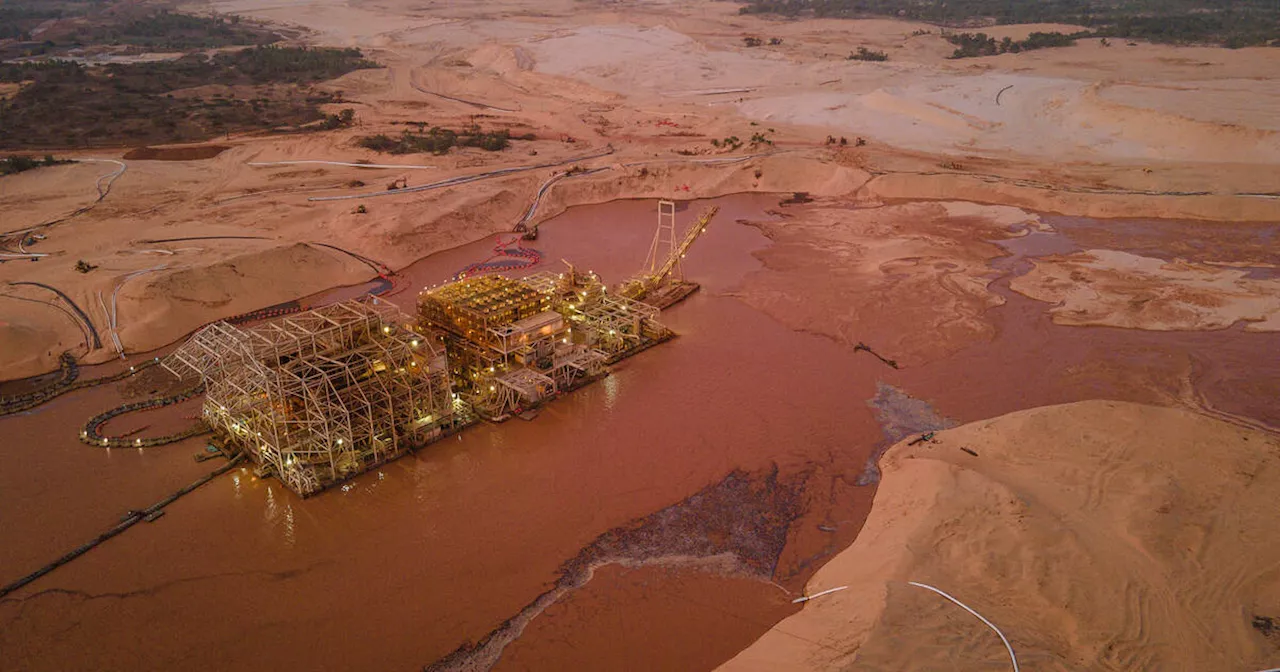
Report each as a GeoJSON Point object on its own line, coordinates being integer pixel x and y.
{"type": "Point", "coordinates": [462, 179]}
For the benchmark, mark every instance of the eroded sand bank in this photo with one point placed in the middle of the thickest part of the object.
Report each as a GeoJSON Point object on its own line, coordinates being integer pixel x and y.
{"type": "Point", "coordinates": [1096, 535]}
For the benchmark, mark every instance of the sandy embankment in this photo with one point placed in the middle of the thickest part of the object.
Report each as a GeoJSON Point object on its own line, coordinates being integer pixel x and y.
{"type": "Point", "coordinates": [1147, 545]}
{"type": "Point", "coordinates": [985, 189]}
{"type": "Point", "coordinates": [1119, 289]}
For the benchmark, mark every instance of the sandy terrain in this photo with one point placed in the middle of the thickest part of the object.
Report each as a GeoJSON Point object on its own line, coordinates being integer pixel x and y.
{"type": "Point", "coordinates": [934, 253]}
{"type": "Point", "coordinates": [1096, 536]}
{"type": "Point", "coordinates": [1080, 132]}
{"type": "Point", "coordinates": [968, 241]}
{"type": "Point", "coordinates": [1120, 289]}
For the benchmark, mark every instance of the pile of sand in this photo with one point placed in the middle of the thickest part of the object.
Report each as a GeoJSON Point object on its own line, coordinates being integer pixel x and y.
{"type": "Point", "coordinates": [1096, 535]}
{"type": "Point", "coordinates": [169, 305]}
{"type": "Point", "coordinates": [1119, 289]}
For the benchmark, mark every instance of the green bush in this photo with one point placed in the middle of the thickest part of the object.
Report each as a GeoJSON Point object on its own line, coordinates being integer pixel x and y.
{"type": "Point", "coordinates": [1229, 23]}
{"type": "Point", "coordinates": [18, 164]}
{"type": "Point", "coordinates": [439, 140]}
{"type": "Point", "coordinates": [865, 54]}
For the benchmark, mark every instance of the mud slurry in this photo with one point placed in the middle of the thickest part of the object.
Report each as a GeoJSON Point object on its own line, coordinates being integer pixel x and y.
{"type": "Point", "coordinates": [900, 415]}
{"type": "Point", "coordinates": [738, 526]}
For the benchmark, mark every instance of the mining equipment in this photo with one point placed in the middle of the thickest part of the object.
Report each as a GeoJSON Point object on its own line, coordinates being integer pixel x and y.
{"type": "Point", "coordinates": [319, 396]}
{"type": "Point", "coordinates": [661, 282]}
{"type": "Point", "coordinates": [515, 344]}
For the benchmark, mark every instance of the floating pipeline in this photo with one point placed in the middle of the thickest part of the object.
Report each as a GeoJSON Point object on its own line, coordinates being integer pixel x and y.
{"type": "Point", "coordinates": [67, 382]}
{"type": "Point", "coordinates": [508, 255]}
{"type": "Point", "coordinates": [385, 284]}
{"type": "Point", "coordinates": [265, 313]}
{"type": "Point", "coordinates": [130, 519]}
{"type": "Point", "coordinates": [91, 435]}
{"type": "Point", "coordinates": [68, 371]}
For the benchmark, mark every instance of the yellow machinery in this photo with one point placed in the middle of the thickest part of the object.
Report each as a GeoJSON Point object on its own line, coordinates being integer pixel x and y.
{"type": "Point", "coordinates": [659, 271]}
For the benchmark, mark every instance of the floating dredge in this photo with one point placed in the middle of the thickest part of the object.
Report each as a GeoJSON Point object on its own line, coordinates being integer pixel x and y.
{"type": "Point", "coordinates": [319, 396]}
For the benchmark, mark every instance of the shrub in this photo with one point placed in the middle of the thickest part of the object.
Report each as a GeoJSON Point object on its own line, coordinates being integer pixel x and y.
{"type": "Point", "coordinates": [865, 54]}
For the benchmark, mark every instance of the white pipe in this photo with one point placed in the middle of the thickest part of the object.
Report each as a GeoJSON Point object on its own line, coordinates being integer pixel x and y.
{"type": "Point", "coordinates": [991, 625]}
{"type": "Point", "coordinates": [110, 332]}
{"type": "Point", "coordinates": [109, 177]}
{"type": "Point", "coordinates": [29, 255]}
{"type": "Point", "coordinates": [806, 598]}
{"type": "Point", "coordinates": [115, 312]}
{"type": "Point", "coordinates": [338, 163]}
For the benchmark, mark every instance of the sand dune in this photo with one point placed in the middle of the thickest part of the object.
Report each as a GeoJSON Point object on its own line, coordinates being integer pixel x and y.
{"type": "Point", "coordinates": [1144, 545]}
{"type": "Point", "coordinates": [161, 308]}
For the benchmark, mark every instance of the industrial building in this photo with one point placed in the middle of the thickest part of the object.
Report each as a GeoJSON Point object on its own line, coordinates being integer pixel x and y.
{"type": "Point", "coordinates": [509, 348]}
{"type": "Point", "coordinates": [322, 395]}
{"type": "Point", "coordinates": [319, 396]}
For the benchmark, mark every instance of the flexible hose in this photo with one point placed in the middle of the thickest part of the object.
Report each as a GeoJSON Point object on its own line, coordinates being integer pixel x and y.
{"type": "Point", "coordinates": [1012, 658]}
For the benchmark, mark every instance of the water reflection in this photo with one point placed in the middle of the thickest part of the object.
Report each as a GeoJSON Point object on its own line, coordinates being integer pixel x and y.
{"type": "Point", "coordinates": [278, 516]}
{"type": "Point", "coordinates": [611, 394]}
{"type": "Point", "coordinates": [289, 537]}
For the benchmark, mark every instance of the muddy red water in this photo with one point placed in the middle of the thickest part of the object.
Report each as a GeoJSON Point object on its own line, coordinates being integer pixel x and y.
{"type": "Point", "coordinates": [401, 566]}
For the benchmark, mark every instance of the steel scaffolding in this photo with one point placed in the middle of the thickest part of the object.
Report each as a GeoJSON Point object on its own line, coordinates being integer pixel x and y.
{"type": "Point", "coordinates": [512, 343]}
{"type": "Point", "coordinates": [320, 396]}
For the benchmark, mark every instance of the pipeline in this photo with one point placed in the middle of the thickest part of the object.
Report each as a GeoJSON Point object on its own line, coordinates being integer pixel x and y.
{"type": "Point", "coordinates": [377, 266]}
{"type": "Point", "coordinates": [28, 401]}
{"type": "Point", "coordinates": [91, 435]}
{"type": "Point", "coordinates": [508, 255]}
{"type": "Point", "coordinates": [68, 372]}
{"type": "Point", "coordinates": [264, 313]}
{"type": "Point", "coordinates": [97, 342]}
{"type": "Point", "coordinates": [102, 195]}
{"type": "Point", "coordinates": [131, 518]}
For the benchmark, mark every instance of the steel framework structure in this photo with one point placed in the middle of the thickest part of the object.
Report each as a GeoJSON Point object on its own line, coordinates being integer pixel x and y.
{"type": "Point", "coordinates": [664, 239]}
{"type": "Point", "coordinates": [601, 319]}
{"type": "Point", "coordinates": [512, 343]}
{"type": "Point", "coordinates": [322, 395]}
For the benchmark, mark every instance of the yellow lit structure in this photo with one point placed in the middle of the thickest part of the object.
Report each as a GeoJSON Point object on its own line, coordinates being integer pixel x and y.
{"type": "Point", "coordinates": [510, 349]}
{"type": "Point", "coordinates": [320, 396]}
{"type": "Point", "coordinates": [662, 282]}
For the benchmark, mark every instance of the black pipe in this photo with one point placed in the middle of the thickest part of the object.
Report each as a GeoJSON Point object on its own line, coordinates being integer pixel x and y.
{"type": "Point", "coordinates": [97, 342]}
{"type": "Point", "coordinates": [130, 520]}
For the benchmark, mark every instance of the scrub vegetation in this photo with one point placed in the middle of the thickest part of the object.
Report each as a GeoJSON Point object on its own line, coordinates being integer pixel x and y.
{"type": "Point", "coordinates": [18, 164]}
{"type": "Point", "coordinates": [192, 98]}
{"type": "Point", "coordinates": [439, 140]}
{"type": "Point", "coordinates": [1229, 23]}
{"type": "Point", "coordinates": [53, 27]}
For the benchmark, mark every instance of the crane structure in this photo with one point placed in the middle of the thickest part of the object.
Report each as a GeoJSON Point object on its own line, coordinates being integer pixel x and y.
{"type": "Point", "coordinates": [664, 239]}
{"type": "Point", "coordinates": [662, 282]}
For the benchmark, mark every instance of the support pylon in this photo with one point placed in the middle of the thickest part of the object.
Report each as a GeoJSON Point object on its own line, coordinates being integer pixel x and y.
{"type": "Point", "coordinates": [664, 240]}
